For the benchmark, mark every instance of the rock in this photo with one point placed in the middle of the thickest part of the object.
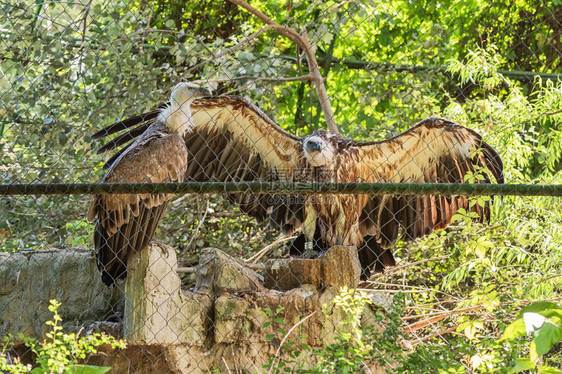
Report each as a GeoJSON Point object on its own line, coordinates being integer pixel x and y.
{"type": "Point", "coordinates": [230, 322]}
{"type": "Point", "coordinates": [157, 310]}
{"type": "Point", "coordinates": [218, 273]}
{"type": "Point", "coordinates": [29, 280]}
{"type": "Point", "coordinates": [339, 266]}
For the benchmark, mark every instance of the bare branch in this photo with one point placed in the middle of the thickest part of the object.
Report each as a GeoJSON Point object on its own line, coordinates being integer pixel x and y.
{"type": "Point", "coordinates": [401, 267]}
{"type": "Point", "coordinates": [546, 114]}
{"type": "Point", "coordinates": [310, 51]}
{"type": "Point", "coordinates": [201, 220]}
{"type": "Point", "coordinates": [85, 20]}
{"type": "Point", "coordinates": [439, 333]}
{"type": "Point", "coordinates": [256, 257]}
{"type": "Point", "coordinates": [277, 358]}
{"type": "Point", "coordinates": [193, 269]}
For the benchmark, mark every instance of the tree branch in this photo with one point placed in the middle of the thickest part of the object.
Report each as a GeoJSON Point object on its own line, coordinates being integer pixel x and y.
{"type": "Point", "coordinates": [546, 114]}
{"type": "Point", "coordinates": [303, 42]}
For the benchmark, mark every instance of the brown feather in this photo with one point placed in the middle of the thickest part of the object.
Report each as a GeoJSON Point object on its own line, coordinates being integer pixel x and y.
{"type": "Point", "coordinates": [126, 223]}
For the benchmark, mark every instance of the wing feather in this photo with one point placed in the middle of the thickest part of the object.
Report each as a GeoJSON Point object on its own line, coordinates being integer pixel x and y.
{"type": "Point", "coordinates": [232, 141]}
{"type": "Point", "coordinates": [433, 151]}
{"type": "Point", "coordinates": [248, 131]}
{"type": "Point", "coordinates": [126, 123]}
{"type": "Point", "coordinates": [126, 223]}
{"type": "Point", "coordinates": [127, 137]}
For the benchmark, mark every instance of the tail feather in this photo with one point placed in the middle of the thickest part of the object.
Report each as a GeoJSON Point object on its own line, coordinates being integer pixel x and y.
{"type": "Point", "coordinates": [125, 124]}
{"type": "Point", "coordinates": [113, 250]}
{"type": "Point", "coordinates": [108, 259]}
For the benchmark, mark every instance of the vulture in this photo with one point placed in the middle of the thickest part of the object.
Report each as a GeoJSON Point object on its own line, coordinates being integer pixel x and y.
{"type": "Point", "coordinates": [125, 224]}
{"type": "Point", "coordinates": [231, 140]}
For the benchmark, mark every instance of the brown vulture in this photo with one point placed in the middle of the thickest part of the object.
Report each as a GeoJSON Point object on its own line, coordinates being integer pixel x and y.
{"type": "Point", "coordinates": [232, 140]}
{"type": "Point", "coordinates": [126, 223]}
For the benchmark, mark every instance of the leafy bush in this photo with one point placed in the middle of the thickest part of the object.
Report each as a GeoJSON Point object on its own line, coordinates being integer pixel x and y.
{"type": "Point", "coordinates": [59, 352]}
{"type": "Point", "coordinates": [360, 346]}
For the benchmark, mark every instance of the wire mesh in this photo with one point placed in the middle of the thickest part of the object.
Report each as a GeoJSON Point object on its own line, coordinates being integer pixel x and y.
{"type": "Point", "coordinates": [220, 223]}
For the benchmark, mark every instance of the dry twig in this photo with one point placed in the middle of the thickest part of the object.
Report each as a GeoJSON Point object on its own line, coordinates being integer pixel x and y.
{"type": "Point", "coordinates": [255, 258]}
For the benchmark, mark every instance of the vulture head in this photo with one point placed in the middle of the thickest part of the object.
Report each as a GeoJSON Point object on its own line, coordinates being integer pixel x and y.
{"type": "Point", "coordinates": [319, 148]}
{"type": "Point", "coordinates": [177, 114]}
{"type": "Point", "coordinates": [185, 91]}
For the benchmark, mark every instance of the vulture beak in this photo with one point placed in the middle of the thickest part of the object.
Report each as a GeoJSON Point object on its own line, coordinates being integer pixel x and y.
{"type": "Point", "coordinates": [205, 91]}
{"type": "Point", "coordinates": [312, 146]}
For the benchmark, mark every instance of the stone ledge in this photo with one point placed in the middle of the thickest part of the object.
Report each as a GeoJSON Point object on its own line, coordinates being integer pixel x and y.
{"type": "Point", "coordinates": [29, 280]}
{"type": "Point", "coordinates": [217, 325]}
{"type": "Point", "coordinates": [337, 267]}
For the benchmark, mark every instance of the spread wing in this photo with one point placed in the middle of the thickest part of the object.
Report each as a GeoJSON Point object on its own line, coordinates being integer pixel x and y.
{"type": "Point", "coordinates": [235, 141]}
{"type": "Point", "coordinates": [433, 151]}
{"type": "Point", "coordinates": [126, 223]}
{"type": "Point", "coordinates": [232, 140]}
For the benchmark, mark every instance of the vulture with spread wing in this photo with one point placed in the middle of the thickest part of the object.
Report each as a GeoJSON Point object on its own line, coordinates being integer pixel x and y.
{"type": "Point", "coordinates": [232, 140]}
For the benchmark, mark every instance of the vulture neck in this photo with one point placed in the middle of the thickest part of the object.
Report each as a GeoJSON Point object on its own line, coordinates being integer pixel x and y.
{"type": "Point", "coordinates": [177, 118]}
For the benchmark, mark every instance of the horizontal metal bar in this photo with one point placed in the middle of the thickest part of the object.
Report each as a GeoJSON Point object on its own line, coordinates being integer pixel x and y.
{"type": "Point", "coordinates": [279, 187]}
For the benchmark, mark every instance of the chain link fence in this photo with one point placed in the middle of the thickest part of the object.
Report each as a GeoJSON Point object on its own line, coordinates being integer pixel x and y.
{"type": "Point", "coordinates": [208, 222]}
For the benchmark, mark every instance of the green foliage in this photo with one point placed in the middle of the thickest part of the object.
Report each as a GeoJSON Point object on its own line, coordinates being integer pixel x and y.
{"type": "Point", "coordinates": [485, 272]}
{"type": "Point", "coordinates": [59, 352]}
{"type": "Point", "coordinates": [358, 345]}
{"type": "Point", "coordinates": [358, 342]}
{"type": "Point", "coordinates": [82, 232]}
{"type": "Point", "coordinates": [352, 347]}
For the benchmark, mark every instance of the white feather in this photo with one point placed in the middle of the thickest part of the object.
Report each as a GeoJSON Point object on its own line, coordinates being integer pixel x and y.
{"type": "Point", "coordinates": [177, 115]}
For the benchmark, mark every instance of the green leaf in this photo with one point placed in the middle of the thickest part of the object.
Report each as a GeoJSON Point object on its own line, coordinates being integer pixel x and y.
{"type": "Point", "coordinates": [471, 329]}
{"type": "Point", "coordinates": [514, 330]}
{"type": "Point", "coordinates": [552, 313]}
{"type": "Point", "coordinates": [548, 370]}
{"type": "Point", "coordinates": [533, 356]}
{"type": "Point", "coordinates": [548, 335]}
{"type": "Point", "coordinates": [539, 307]}
{"type": "Point", "coordinates": [523, 364]}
